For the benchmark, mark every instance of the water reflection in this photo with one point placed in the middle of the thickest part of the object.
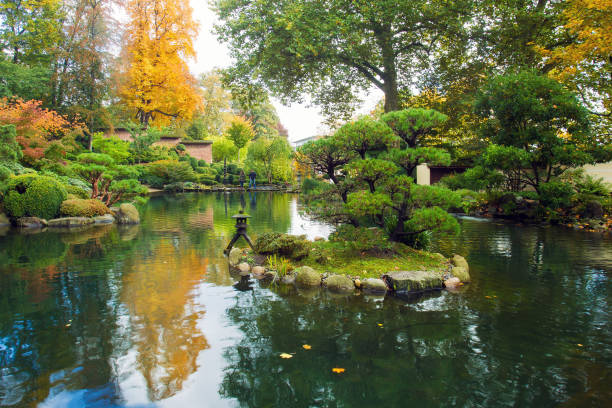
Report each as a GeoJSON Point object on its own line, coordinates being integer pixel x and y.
{"type": "Point", "coordinates": [148, 315]}
{"type": "Point", "coordinates": [163, 315]}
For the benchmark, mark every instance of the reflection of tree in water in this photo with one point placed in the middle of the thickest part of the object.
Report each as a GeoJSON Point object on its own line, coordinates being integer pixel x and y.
{"type": "Point", "coordinates": [343, 332]}
{"type": "Point", "coordinates": [158, 292]}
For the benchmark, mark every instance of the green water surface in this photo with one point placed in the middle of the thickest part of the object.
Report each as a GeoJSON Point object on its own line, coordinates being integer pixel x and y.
{"type": "Point", "coordinates": [148, 316]}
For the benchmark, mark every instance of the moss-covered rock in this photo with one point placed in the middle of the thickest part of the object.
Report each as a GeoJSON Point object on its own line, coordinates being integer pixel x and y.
{"type": "Point", "coordinates": [70, 222]}
{"type": "Point", "coordinates": [104, 219]}
{"type": "Point", "coordinates": [127, 214]}
{"type": "Point", "coordinates": [458, 260]}
{"type": "Point", "coordinates": [461, 273]}
{"type": "Point", "coordinates": [413, 281]}
{"type": "Point", "coordinates": [373, 285]}
{"type": "Point", "coordinates": [30, 222]}
{"type": "Point", "coordinates": [306, 277]}
{"type": "Point", "coordinates": [339, 283]}
{"type": "Point", "coordinates": [289, 246]}
{"type": "Point", "coordinates": [235, 256]}
{"type": "Point", "coordinates": [79, 207]}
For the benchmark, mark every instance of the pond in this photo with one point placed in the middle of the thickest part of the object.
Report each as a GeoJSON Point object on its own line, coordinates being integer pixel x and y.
{"type": "Point", "coordinates": [149, 316]}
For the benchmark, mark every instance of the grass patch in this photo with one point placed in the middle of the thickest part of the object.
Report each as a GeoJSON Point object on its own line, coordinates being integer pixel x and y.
{"type": "Point", "coordinates": [338, 258]}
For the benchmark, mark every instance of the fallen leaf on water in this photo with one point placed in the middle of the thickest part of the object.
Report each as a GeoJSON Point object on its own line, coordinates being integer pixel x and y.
{"type": "Point", "coordinates": [488, 297]}
{"type": "Point", "coordinates": [306, 347]}
{"type": "Point", "coordinates": [285, 355]}
{"type": "Point", "coordinates": [380, 324]}
{"type": "Point", "coordinates": [68, 325]}
{"type": "Point", "coordinates": [579, 345]}
{"type": "Point", "coordinates": [338, 370]}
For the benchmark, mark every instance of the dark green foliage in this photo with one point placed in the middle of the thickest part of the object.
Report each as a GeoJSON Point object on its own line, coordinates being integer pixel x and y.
{"type": "Point", "coordinates": [9, 148]}
{"type": "Point", "coordinates": [411, 125]}
{"type": "Point", "coordinates": [373, 240]}
{"type": "Point", "coordinates": [535, 124]}
{"type": "Point", "coordinates": [5, 173]}
{"type": "Point", "coordinates": [19, 80]}
{"type": "Point", "coordinates": [83, 208]}
{"type": "Point", "coordinates": [410, 158]}
{"type": "Point", "coordinates": [30, 195]}
{"type": "Point", "coordinates": [313, 186]}
{"type": "Point", "coordinates": [77, 191]}
{"type": "Point", "coordinates": [288, 246]}
{"type": "Point", "coordinates": [371, 171]}
{"type": "Point", "coordinates": [325, 156]}
{"type": "Point", "coordinates": [167, 172]}
{"type": "Point", "coordinates": [556, 194]}
{"type": "Point", "coordinates": [365, 134]}
{"type": "Point", "coordinates": [477, 178]}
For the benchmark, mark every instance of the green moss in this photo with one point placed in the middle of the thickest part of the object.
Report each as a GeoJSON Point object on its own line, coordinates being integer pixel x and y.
{"type": "Point", "coordinates": [83, 208]}
{"type": "Point", "coordinates": [338, 258]}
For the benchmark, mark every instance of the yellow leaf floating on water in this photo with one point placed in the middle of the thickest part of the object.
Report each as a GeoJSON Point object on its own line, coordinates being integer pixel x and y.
{"type": "Point", "coordinates": [380, 324]}
{"type": "Point", "coordinates": [285, 355]}
{"type": "Point", "coordinates": [306, 347]}
{"type": "Point", "coordinates": [488, 297]}
{"type": "Point", "coordinates": [579, 345]}
{"type": "Point", "coordinates": [338, 370]}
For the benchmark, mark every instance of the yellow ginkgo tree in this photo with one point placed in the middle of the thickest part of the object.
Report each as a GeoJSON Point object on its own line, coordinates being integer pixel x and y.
{"type": "Point", "coordinates": [156, 83]}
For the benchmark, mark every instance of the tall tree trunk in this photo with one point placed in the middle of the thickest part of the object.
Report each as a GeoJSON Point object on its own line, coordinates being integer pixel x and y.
{"type": "Point", "coordinates": [385, 40]}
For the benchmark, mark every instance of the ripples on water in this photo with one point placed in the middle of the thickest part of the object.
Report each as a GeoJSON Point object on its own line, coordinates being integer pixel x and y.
{"type": "Point", "coordinates": [148, 315]}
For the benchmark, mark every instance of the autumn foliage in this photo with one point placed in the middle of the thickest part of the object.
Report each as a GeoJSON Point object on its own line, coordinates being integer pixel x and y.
{"type": "Point", "coordinates": [157, 84]}
{"type": "Point", "coordinates": [36, 126]}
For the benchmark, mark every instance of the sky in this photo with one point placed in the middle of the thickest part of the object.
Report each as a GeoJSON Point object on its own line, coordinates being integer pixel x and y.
{"type": "Point", "coordinates": [300, 120]}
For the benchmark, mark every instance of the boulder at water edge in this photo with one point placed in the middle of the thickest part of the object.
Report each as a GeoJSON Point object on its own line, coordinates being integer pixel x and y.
{"type": "Point", "coordinates": [257, 270]}
{"type": "Point", "coordinates": [244, 268]}
{"type": "Point", "coordinates": [70, 222]}
{"type": "Point", "coordinates": [372, 285]}
{"type": "Point", "coordinates": [235, 256]}
{"type": "Point", "coordinates": [413, 281]}
{"type": "Point", "coordinates": [339, 283]}
{"type": "Point", "coordinates": [452, 283]}
{"type": "Point", "coordinates": [306, 277]}
{"type": "Point", "coordinates": [459, 261]}
{"type": "Point", "coordinates": [104, 219]}
{"type": "Point", "coordinates": [460, 273]}
{"type": "Point", "coordinates": [30, 222]}
{"type": "Point", "coordinates": [127, 214]}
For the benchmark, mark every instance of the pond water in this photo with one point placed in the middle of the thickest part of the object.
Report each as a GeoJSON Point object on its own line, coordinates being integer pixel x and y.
{"type": "Point", "coordinates": [149, 316]}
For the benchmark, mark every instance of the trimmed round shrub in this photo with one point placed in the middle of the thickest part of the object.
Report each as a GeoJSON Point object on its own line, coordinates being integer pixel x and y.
{"type": "Point", "coordinates": [79, 207]}
{"type": "Point", "coordinates": [31, 195]}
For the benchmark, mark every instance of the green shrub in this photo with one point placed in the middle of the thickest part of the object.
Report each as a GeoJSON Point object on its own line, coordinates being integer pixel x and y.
{"type": "Point", "coordinates": [362, 238]}
{"type": "Point", "coordinates": [556, 194]}
{"type": "Point", "coordinates": [31, 195]}
{"type": "Point", "coordinates": [289, 246]}
{"type": "Point", "coordinates": [313, 186]}
{"type": "Point", "coordinates": [83, 208]}
{"type": "Point", "coordinates": [170, 171]}
{"type": "Point", "coordinates": [77, 191]}
{"type": "Point", "coordinates": [5, 173]}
